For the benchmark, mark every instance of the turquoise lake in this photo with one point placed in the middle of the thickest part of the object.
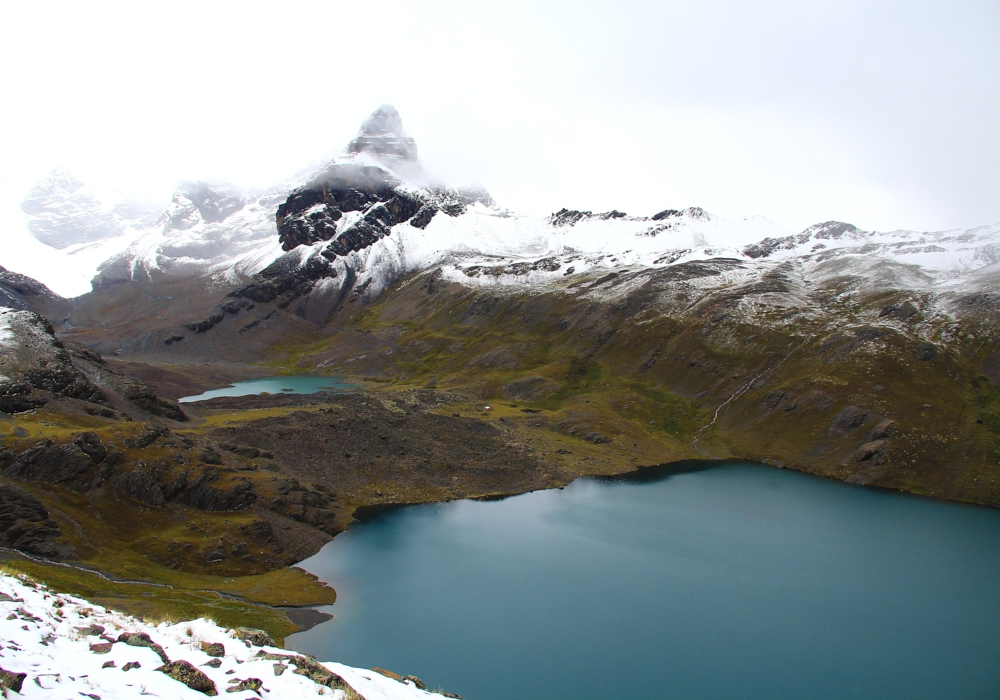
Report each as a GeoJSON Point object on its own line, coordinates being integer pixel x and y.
{"type": "Point", "coordinates": [700, 581]}
{"type": "Point", "coordinates": [287, 384]}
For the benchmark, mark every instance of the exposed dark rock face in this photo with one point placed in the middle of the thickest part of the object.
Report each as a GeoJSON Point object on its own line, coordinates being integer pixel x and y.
{"type": "Point", "coordinates": [66, 381]}
{"type": "Point", "coordinates": [91, 445]}
{"type": "Point", "coordinates": [199, 494]}
{"type": "Point", "coordinates": [926, 352]}
{"type": "Point", "coordinates": [139, 485]}
{"type": "Point", "coordinates": [25, 524]}
{"type": "Point", "coordinates": [15, 397]}
{"type": "Point", "coordinates": [311, 213]}
{"type": "Point", "coordinates": [63, 464]}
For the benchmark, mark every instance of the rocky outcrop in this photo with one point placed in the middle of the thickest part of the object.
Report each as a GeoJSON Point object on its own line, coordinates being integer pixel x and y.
{"type": "Point", "coordinates": [66, 464]}
{"type": "Point", "coordinates": [25, 524]}
{"type": "Point", "coordinates": [33, 363]}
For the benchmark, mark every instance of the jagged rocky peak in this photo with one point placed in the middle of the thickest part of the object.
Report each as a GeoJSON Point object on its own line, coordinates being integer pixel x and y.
{"type": "Point", "coordinates": [382, 135]}
{"type": "Point", "coordinates": [315, 212]}
{"type": "Point", "coordinates": [202, 202]}
{"type": "Point", "coordinates": [62, 212]}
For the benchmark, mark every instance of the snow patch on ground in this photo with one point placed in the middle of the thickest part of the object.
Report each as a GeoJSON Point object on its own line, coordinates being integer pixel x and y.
{"type": "Point", "coordinates": [52, 639]}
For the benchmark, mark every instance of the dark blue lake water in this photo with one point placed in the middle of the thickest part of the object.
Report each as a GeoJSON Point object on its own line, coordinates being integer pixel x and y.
{"type": "Point", "coordinates": [738, 581]}
{"type": "Point", "coordinates": [285, 384]}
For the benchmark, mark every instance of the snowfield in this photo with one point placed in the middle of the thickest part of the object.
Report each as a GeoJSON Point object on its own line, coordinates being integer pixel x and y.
{"type": "Point", "coordinates": [68, 648]}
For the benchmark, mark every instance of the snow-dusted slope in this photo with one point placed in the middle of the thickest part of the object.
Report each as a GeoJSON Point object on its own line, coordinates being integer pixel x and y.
{"type": "Point", "coordinates": [67, 648]}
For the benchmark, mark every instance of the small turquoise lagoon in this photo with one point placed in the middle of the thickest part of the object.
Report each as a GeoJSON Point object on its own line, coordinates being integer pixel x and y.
{"type": "Point", "coordinates": [283, 384]}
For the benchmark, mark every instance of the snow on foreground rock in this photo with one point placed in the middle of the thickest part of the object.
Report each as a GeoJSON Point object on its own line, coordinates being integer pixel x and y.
{"type": "Point", "coordinates": [68, 648]}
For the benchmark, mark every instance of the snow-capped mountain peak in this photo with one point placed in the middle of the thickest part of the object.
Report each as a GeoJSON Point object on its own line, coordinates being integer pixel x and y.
{"type": "Point", "coordinates": [382, 135]}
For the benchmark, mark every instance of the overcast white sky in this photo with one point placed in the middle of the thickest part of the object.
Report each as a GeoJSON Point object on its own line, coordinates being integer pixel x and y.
{"type": "Point", "coordinates": [883, 114]}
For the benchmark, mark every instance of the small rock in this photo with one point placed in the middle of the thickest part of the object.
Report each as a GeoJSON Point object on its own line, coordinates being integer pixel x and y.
{"type": "Point", "coordinates": [279, 669]}
{"type": "Point", "coordinates": [130, 665]}
{"type": "Point", "coordinates": [11, 681]}
{"type": "Point", "coordinates": [101, 648]}
{"type": "Point", "coordinates": [253, 684]}
{"type": "Point", "coordinates": [213, 648]}
{"type": "Point", "coordinates": [141, 639]}
{"type": "Point", "coordinates": [187, 674]}
{"type": "Point", "coordinates": [108, 664]}
{"type": "Point", "coordinates": [258, 638]}
{"type": "Point", "coordinates": [214, 663]}
{"type": "Point", "coordinates": [91, 630]}
{"type": "Point", "coordinates": [868, 450]}
{"type": "Point", "coordinates": [387, 674]}
{"type": "Point", "coordinates": [4, 598]}
{"type": "Point", "coordinates": [881, 429]}
{"type": "Point", "coordinates": [416, 681]}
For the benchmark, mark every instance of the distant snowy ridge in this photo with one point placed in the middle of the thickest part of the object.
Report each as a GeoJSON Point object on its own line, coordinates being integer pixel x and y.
{"type": "Point", "coordinates": [377, 216]}
{"type": "Point", "coordinates": [59, 646]}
